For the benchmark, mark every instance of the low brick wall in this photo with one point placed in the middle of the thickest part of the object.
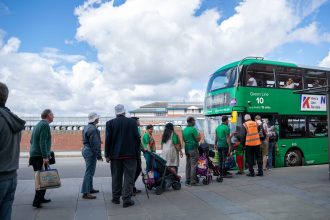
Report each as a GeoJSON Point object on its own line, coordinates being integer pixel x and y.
{"type": "Point", "coordinates": [72, 140]}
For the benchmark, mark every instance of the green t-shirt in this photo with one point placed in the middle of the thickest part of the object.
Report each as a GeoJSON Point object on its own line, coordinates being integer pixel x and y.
{"type": "Point", "coordinates": [189, 135]}
{"type": "Point", "coordinates": [222, 132]}
{"type": "Point", "coordinates": [148, 140]}
{"type": "Point", "coordinates": [175, 139]}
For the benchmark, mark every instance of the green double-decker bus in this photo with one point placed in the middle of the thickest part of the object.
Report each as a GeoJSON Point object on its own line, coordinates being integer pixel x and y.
{"type": "Point", "coordinates": [267, 88]}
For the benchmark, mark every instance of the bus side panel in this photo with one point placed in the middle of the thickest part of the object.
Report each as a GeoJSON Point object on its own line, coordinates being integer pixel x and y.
{"type": "Point", "coordinates": [314, 150]}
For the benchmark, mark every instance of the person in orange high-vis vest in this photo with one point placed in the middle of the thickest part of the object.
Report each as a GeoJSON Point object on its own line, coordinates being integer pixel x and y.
{"type": "Point", "coordinates": [250, 137]}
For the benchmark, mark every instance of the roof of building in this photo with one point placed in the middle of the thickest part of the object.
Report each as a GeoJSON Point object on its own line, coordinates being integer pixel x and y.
{"type": "Point", "coordinates": [164, 106]}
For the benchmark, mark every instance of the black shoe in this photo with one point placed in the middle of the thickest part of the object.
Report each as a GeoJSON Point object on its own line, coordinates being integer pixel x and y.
{"type": "Point", "coordinates": [46, 201]}
{"type": "Point", "coordinates": [250, 174]}
{"type": "Point", "coordinates": [37, 205]}
{"type": "Point", "coordinates": [115, 201]}
{"type": "Point", "coordinates": [260, 174]}
{"type": "Point", "coordinates": [187, 183]}
{"type": "Point", "coordinates": [128, 204]}
{"type": "Point", "coordinates": [94, 191]}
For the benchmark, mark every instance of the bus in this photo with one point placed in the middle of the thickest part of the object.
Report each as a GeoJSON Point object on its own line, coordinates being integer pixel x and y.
{"type": "Point", "coordinates": [267, 88]}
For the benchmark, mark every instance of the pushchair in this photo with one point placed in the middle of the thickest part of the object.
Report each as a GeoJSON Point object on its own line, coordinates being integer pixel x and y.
{"type": "Point", "coordinates": [158, 176]}
{"type": "Point", "coordinates": [204, 151]}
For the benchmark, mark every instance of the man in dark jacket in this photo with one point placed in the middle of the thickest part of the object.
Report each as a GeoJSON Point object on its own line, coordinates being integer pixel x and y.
{"type": "Point", "coordinates": [10, 137]}
{"type": "Point", "coordinates": [122, 145]}
{"type": "Point", "coordinates": [41, 142]}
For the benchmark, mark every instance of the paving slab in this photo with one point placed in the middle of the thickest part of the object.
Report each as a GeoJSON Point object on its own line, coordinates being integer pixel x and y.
{"type": "Point", "coordinates": [285, 193]}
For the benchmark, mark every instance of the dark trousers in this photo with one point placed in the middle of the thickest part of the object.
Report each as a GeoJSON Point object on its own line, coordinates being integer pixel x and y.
{"type": "Point", "coordinates": [191, 165]}
{"type": "Point", "coordinates": [37, 164]}
{"type": "Point", "coordinates": [252, 153]}
{"type": "Point", "coordinates": [223, 152]}
{"type": "Point", "coordinates": [119, 169]}
{"type": "Point", "coordinates": [138, 169]}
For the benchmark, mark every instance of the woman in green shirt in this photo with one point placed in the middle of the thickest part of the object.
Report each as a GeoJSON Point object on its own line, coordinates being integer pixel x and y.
{"type": "Point", "coordinates": [171, 147]}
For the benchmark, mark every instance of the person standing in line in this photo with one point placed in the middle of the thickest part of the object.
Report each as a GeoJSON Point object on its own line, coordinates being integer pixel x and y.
{"type": "Point", "coordinates": [91, 152]}
{"type": "Point", "coordinates": [41, 141]}
{"type": "Point", "coordinates": [148, 144]}
{"type": "Point", "coordinates": [191, 138]}
{"type": "Point", "coordinates": [139, 162]}
{"type": "Point", "coordinates": [251, 139]}
{"type": "Point", "coordinates": [148, 141]}
{"type": "Point", "coordinates": [122, 146]}
{"type": "Point", "coordinates": [10, 138]}
{"type": "Point", "coordinates": [223, 144]}
{"type": "Point", "coordinates": [273, 138]}
{"type": "Point", "coordinates": [171, 147]}
{"type": "Point", "coordinates": [263, 133]}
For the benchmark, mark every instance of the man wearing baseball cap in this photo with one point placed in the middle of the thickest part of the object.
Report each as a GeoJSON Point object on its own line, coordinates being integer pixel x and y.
{"type": "Point", "coordinates": [91, 152]}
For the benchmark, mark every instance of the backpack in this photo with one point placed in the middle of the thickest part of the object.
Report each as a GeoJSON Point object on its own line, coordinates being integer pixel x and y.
{"type": "Point", "coordinates": [262, 132]}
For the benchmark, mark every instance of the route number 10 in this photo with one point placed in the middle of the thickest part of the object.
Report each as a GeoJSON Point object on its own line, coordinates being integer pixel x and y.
{"type": "Point", "coordinates": [260, 100]}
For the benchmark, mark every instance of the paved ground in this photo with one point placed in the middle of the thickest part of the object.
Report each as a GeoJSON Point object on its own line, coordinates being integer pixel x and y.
{"type": "Point", "coordinates": [285, 193]}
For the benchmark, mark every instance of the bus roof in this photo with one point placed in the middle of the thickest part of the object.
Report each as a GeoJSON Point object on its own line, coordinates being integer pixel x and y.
{"type": "Point", "coordinates": [248, 61]}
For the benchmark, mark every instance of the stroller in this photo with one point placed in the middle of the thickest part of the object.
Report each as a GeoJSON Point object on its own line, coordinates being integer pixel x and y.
{"type": "Point", "coordinates": [158, 175]}
{"type": "Point", "coordinates": [206, 154]}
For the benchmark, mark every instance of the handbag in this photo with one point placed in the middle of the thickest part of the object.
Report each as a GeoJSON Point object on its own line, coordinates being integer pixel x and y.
{"type": "Point", "coordinates": [230, 162]}
{"type": "Point", "coordinates": [51, 158]}
{"type": "Point", "coordinates": [47, 179]}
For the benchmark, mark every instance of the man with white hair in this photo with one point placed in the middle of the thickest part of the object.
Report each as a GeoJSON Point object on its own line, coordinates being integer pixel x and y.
{"type": "Point", "coordinates": [251, 139]}
{"type": "Point", "coordinates": [122, 146]}
{"type": "Point", "coordinates": [91, 152]}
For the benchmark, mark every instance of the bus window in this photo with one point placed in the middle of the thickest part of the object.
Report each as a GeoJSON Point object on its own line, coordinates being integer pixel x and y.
{"type": "Point", "coordinates": [292, 127]}
{"type": "Point", "coordinates": [289, 78]}
{"type": "Point", "coordinates": [318, 126]}
{"type": "Point", "coordinates": [223, 79]}
{"type": "Point", "coordinates": [260, 75]}
{"type": "Point", "coordinates": [315, 79]}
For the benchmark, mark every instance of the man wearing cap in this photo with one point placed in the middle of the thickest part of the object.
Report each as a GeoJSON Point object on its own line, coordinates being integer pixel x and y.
{"type": "Point", "coordinates": [122, 146]}
{"type": "Point", "coordinates": [91, 152]}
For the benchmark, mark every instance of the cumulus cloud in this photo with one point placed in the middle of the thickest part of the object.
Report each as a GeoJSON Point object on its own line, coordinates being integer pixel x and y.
{"type": "Point", "coordinates": [326, 61]}
{"type": "Point", "coordinates": [149, 50]}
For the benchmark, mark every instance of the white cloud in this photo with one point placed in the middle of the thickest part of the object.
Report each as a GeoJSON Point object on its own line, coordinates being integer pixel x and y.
{"type": "Point", "coordinates": [326, 61]}
{"type": "Point", "coordinates": [148, 50]}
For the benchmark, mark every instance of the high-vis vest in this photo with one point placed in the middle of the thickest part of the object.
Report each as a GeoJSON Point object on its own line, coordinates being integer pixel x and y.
{"type": "Point", "coordinates": [252, 134]}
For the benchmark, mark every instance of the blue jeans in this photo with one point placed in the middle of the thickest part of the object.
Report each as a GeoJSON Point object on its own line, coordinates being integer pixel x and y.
{"type": "Point", "coordinates": [90, 160]}
{"type": "Point", "coordinates": [270, 154]}
{"type": "Point", "coordinates": [7, 194]}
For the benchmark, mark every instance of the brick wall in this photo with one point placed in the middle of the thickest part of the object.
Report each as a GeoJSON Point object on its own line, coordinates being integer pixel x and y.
{"type": "Point", "coordinates": [72, 140]}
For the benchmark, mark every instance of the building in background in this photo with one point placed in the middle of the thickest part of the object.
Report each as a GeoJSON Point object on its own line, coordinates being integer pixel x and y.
{"type": "Point", "coordinates": [169, 109]}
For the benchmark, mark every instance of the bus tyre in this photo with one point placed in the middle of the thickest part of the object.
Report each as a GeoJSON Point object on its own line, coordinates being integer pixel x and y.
{"type": "Point", "coordinates": [293, 158]}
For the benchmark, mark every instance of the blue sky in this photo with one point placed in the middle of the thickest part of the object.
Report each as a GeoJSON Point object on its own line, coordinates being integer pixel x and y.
{"type": "Point", "coordinates": [109, 46]}
{"type": "Point", "coordinates": [47, 23]}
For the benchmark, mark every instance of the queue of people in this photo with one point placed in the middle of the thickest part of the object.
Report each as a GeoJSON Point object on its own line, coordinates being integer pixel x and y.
{"type": "Point", "coordinates": [123, 146]}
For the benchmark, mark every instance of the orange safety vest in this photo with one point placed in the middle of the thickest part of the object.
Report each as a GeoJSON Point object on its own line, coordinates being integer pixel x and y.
{"type": "Point", "coordinates": [252, 135]}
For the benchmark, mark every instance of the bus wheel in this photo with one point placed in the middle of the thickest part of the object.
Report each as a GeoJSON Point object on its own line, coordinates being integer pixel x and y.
{"type": "Point", "coordinates": [293, 158]}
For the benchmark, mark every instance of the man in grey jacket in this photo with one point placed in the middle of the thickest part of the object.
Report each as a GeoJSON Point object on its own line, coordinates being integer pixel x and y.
{"type": "Point", "coordinates": [91, 152]}
{"type": "Point", "coordinates": [10, 137]}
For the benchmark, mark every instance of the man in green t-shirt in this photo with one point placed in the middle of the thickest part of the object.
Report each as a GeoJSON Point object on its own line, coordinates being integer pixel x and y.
{"type": "Point", "coordinates": [191, 138]}
{"type": "Point", "coordinates": [148, 141]}
{"type": "Point", "coordinates": [223, 144]}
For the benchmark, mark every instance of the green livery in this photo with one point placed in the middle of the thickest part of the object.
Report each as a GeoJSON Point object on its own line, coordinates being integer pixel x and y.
{"type": "Point", "coordinates": [267, 88]}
